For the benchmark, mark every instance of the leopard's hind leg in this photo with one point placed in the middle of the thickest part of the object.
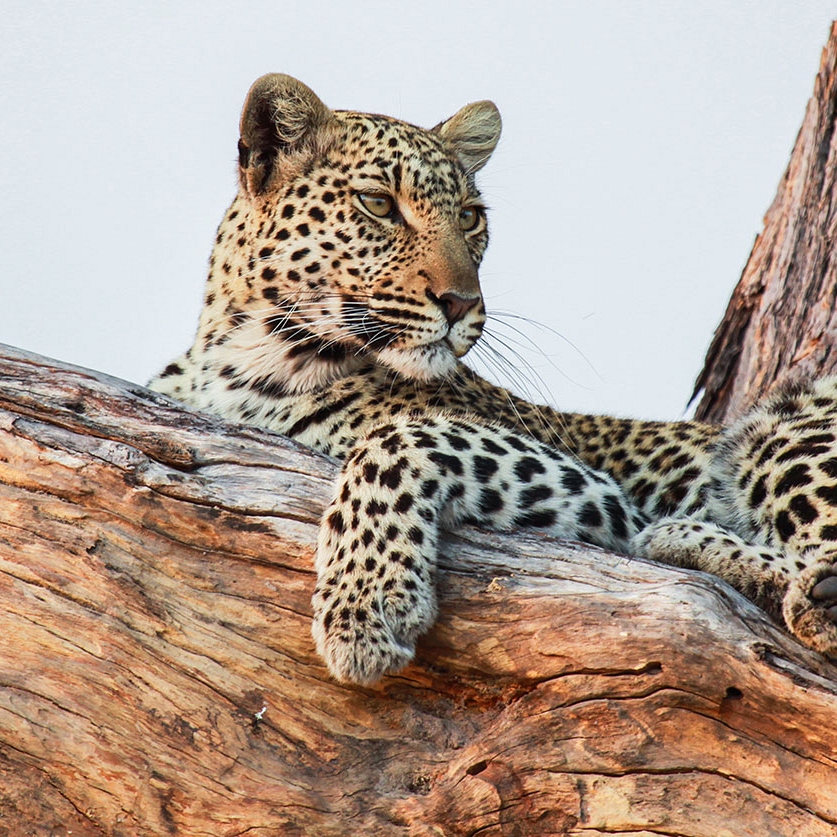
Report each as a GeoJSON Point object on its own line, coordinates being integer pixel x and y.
{"type": "Point", "coordinates": [803, 594]}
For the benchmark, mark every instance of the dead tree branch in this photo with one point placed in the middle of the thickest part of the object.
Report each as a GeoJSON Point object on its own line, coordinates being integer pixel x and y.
{"type": "Point", "coordinates": [157, 673]}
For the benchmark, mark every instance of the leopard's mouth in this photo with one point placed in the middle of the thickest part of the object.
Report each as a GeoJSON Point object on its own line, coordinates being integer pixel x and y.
{"type": "Point", "coordinates": [460, 348]}
{"type": "Point", "coordinates": [424, 354]}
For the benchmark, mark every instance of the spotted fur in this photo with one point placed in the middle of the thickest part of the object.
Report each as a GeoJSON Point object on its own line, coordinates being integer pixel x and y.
{"type": "Point", "coordinates": [343, 290]}
{"type": "Point", "coordinates": [769, 524]}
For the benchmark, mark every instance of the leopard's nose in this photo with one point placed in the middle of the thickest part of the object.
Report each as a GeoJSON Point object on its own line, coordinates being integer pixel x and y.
{"type": "Point", "coordinates": [453, 306]}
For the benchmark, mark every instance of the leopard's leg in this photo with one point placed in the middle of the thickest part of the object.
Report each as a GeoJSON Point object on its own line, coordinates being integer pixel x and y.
{"type": "Point", "coordinates": [376, 555]}
{"type": "Point", "coordinates": [800, 589]}
{"type": "Point", "coordinates": [759, 572]}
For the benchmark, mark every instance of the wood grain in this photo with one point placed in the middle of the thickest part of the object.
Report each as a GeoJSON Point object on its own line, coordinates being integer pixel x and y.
{"type": "Point", "coordinates": [157, 674]}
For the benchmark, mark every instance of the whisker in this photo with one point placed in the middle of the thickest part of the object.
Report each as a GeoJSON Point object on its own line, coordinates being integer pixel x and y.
{"type": "Point", "coordinates": [523, 371]}
{"type": "Point", "coordinates": [500, 317]}
{"type": "Point", "coordinates": [528, 378]}
{"type": "Point", "coordinates": [331, 329]}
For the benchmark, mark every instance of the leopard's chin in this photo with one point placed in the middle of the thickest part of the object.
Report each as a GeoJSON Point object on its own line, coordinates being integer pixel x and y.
{"type": "Point", "coordinates": [421, 363]}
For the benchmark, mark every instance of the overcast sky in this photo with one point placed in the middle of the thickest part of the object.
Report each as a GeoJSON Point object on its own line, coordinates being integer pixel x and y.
{"type": "Point", "coordinates": [642, 144]}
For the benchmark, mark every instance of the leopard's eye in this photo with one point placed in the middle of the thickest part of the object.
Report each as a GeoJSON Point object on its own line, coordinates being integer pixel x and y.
{"type": "Point", "coordinates": [381, 206]}
{"type": "Point", "coordinates": [469, 217]}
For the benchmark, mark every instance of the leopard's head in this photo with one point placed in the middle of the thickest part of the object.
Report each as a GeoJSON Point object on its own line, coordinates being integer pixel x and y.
{"type": "Point", "coordinates": [354, 237]}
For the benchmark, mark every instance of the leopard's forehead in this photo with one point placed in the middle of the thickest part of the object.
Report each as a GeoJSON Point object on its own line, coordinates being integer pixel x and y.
{"type": "Point", "coordinates": [371, 131]}
{"type": "Point", "coordinates": [399, 157]}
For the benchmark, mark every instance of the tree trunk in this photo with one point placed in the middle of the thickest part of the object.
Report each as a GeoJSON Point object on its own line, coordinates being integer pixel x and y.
{"type": "Point", "coordinates": [158, 675]}
{"type": "Point", "coordinates": [782, 317]}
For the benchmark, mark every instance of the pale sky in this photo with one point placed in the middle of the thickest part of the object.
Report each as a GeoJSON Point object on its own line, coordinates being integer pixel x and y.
{"type": "Point", "coordinates": [642, 144]}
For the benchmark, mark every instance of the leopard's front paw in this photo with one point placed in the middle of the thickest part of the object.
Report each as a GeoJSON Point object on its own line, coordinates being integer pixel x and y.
{"type": "Point", "coordinates": [356, 650]}
{"type": "Point", "coordinates": [370, 608]}
{"type": "Point", "coordinates": [810, 607]}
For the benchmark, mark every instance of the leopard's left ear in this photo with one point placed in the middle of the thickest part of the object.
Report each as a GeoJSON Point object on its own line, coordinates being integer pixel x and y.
{"type": "Point", "coordinates": [473, 132]}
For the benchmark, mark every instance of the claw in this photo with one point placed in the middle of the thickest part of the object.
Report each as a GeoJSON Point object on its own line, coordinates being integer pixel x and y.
{"type": "Point", "coordinates": [825, 589]}
{"type": "Point", "coordinates": [831, 613]}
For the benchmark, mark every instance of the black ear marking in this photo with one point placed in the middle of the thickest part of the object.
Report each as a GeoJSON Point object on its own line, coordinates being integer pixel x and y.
{"type": "Point", "coordinates": [243, 154]}
{"type": "Point", "coordinates": [281, 117]}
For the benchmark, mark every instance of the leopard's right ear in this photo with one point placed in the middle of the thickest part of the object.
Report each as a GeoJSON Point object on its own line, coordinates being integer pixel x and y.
{"type": "Point", "coordinates": [281, 125]}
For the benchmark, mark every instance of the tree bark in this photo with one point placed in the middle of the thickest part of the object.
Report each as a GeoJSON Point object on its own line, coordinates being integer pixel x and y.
{"type": "Point", "coordinates": [782, 318]}
{"type": "Point", "coordinates": [157, 674]}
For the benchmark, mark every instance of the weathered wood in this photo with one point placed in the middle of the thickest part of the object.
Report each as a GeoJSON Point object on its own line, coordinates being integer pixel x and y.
{"type": "Point", "coordinates": [157, 674]}
{"type": "Point", "coordinates": [782, 317]}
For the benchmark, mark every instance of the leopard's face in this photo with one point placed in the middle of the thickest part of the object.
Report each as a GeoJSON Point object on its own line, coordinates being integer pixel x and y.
{"type": "Point", "coordinates": [358, 240]}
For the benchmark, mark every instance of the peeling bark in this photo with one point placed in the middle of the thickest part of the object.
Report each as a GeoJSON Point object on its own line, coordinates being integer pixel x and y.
{"type": "Point", "coordinates": [157, 673]}
{"type": "Point", "coordinates": [781, 320]}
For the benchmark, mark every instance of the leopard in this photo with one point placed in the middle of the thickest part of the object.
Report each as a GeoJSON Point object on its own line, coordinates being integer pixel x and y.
{"type": "Point", "coordinates": [343, 294]}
